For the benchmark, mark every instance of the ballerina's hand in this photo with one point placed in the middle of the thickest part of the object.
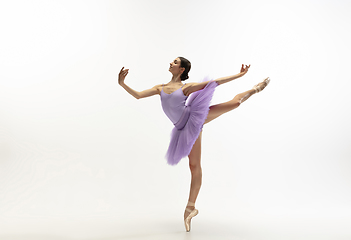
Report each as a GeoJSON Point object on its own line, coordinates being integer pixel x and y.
{"type": "Point", "coordinates": [122, 75]}
{"type": "Point", "coordinates": [244, 69]}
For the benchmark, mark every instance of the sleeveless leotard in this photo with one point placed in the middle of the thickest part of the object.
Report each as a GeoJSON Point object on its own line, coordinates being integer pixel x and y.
{"type": "Point", "coordinates": [188, 116]}
{"type": "Point", "coordinates": [173, 104]}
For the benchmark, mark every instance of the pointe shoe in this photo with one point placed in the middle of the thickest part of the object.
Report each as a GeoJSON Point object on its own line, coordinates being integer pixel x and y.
{"type": "Point", "coordinates": [192, 214]}
{"type": "Point", "coordinates": [258, 88]}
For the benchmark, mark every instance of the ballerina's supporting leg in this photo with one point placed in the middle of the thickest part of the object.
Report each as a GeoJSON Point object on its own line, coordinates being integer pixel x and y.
{"type": "Point", "coordinates": [196, 173]}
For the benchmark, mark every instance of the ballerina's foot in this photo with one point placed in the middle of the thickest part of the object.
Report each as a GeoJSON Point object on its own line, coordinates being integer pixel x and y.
{"type": "Point", "coordinates": [189, 213]}
{"type": "Point", "coordinates": [186, 213]}
{"type": "Point", "coordinates": [260, 86]}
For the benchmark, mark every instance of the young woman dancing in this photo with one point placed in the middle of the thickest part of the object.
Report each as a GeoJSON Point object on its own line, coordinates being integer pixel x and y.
{"type": "Point", "coordinates": [189, 116]}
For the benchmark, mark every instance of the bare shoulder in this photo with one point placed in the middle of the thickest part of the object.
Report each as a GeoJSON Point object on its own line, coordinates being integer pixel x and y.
{"type": "Point", "coordinates": [193, 87]}
{"type": "Point", "coordinates": [158, 88]}
{"type": "Point", "coordinates": [187, 88]}
{"type": "Point", "coordinates": [188, 85]}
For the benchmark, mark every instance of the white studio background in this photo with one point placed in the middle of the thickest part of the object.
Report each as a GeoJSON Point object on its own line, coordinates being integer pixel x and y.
{"type": "Point", "coordinates": [81, 158]}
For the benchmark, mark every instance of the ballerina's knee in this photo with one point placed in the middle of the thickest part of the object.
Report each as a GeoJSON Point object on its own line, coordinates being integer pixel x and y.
{"type": "Point", "coordinates": [194, 167]}
{"type": "Point", "coordinates": [236, 103]}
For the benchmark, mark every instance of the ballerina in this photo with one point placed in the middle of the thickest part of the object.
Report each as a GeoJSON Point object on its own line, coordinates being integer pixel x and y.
{"type": "Point", "coordinates": [189, 115]}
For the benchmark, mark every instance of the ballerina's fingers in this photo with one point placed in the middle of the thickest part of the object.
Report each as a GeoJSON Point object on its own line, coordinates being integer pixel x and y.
{"type": "Point", "coordinates": [245, 68]}
{"type": "Point", "coordinates": [123, 72]}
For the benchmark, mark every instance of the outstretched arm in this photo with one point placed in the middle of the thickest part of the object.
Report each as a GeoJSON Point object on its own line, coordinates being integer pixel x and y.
{"type": "Point", "coordinates": [147, 93]}
{"type": "Point", "coordinates": [193, 87]}
{"type": "Point", "coordinates": [243, 71]}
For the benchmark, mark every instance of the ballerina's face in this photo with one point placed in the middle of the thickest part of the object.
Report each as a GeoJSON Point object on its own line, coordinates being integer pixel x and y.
{"type": "Point", "coordinates": [175, 67]}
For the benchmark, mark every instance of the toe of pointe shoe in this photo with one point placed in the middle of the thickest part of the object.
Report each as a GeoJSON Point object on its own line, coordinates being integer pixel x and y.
{"type": "Point", "coordinates": [188, 219]}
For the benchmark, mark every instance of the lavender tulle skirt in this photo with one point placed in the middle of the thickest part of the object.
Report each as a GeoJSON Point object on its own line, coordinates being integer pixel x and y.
{"type": "Point", "coordinates": [185, 134]}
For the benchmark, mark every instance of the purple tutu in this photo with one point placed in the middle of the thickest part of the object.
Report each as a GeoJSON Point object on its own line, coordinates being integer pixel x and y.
{"type": "Point", "coordinates": [190, 123]}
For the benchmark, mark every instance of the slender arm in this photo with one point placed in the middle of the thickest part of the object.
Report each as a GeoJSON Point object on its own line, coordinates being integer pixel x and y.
{"type": "Point", "coordinates": [243, 71]}
{"type": "Point", "coordinates": [193, 87]}
{"type": "Point", "coordinates": [228, 79]}
{"type": "Point", "coordinates": [146, 93]}
{"type": "Point", "coordinates": [142, 94]}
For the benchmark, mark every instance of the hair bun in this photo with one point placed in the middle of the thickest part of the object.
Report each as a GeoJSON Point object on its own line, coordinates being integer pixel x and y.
{"type": "Point", "coordinates": [184, 63]}
{"type": "Point", "coordinates": [182, 77]}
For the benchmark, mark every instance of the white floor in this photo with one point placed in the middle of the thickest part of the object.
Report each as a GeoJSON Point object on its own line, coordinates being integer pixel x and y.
{"type": "Point", "coordinates": [206, 225]}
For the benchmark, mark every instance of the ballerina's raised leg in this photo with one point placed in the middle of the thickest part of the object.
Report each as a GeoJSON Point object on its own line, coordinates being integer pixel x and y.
{"type": "Point", "coordinates": [195, 154]}
{"type": "Point", "coordinates": [219, 109]}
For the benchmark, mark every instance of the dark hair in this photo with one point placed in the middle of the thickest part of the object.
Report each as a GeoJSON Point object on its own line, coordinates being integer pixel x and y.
{"type": "Point", "coordinates": [185, 63]}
